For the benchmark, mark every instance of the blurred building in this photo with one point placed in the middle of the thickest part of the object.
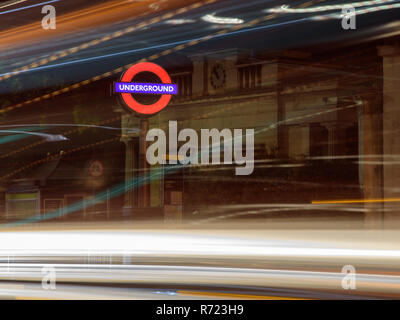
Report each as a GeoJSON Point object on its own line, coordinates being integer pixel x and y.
{"type": "Point", "coordinates": [325, 120]}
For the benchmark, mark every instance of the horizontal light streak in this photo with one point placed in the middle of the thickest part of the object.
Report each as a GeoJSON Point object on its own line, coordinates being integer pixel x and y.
{"type": "Point", "coordinates": [153, 243]}
{"type": "Point", "coordinates": [11, 4]}
{"type": "Point", "coordinates": [287, 9]}
{"type": "Point", "coordinates": [221, 20]}
{"type": "Point", "coordinates": [28, 7]}
{"type": "Point", "coordinates": [235, 295]}
{"type": "Point", "coordinates": [355, 201]}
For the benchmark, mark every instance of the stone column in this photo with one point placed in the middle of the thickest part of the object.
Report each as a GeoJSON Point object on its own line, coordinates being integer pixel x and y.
{"type": "Point", "coordinates": [129, 201]}
{"type": "Point", "coordinates": [129, 125]}
{"type": "Point", "coordinates": [144, 188]}
{"type": "Point", "coordinates": [198, 76]}
{"type": "Point", "coordinates": [371, 161]}
{"type": "Point", "coordinates": [331, 140]}
{"type": "Point", "coordinates": [391, 126]}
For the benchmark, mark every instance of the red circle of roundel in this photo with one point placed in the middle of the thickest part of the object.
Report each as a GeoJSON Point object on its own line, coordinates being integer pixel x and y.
{"type": "Point", "coordinates": [146, 108]}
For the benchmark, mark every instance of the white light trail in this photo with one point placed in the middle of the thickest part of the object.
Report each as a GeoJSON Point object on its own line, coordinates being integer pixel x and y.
{"type": "Point", "coordinates": [179, 21]}
{"type": "Point", "coordinates": [11, 4]}
{"type": "Point", "coordinates": [357, 12]}
{"type": "Point", "coordinates": [211, 18]}
{"type": "Point", "coordinates": [287, 9]}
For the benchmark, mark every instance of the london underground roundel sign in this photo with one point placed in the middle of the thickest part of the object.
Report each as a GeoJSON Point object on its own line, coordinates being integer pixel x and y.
{"type": "Point", "coordinates": [127, 88]}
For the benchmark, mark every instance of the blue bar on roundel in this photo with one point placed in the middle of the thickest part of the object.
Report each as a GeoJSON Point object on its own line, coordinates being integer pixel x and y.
{"type": "Point", "coordinates": [149, 88]}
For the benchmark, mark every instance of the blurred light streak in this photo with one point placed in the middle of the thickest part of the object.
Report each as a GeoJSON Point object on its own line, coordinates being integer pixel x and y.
{"type": "Point", "coordinates": [159, 244]}
{"type": "Point", "coordinates": [94, 58]}
{"type": "Point", "coordinates": [234, 295]}
{"type": "Point", "coordinates": [46, 136]}
{"type": "Point", "coordinates": [269, 209]}
{"type": "Point", "coordinates": [11, 4]}
{"type": "Point", "coordinates": [179, 21]}
{"type": "Point", "coordinates": [191, 43]}
{"type": "Point", "coordinates": [8, 74]}
{"type": "Point", "coordinates": [211, 18]}
{"type": "Point", "coordinates": [16, 137]}
{"type": "Point", "coordinates": [105, 38]}
{"type": "Point", "coordinates": [181, 45]}
{"type": "Point", "coordinates": [355, 201]}
{"type": "Point", "coordinates": [245, 258]}
{"type": "Point", "coordinates": [56, 156]}
{"type": "Point", "coordinates": [169, 293]}
{"type": "Point", "coordinates": [245, 213]}
{"type": "Point", "coordinates": [287, 9]}
{"type": "Point", "coordinates": [49, 125]}
{"type": "Point", "coordinates": [24, 148]}
{"type": "Point", "coordinates": [358, 12]}
{"type": "Point", "coordinates": [27, 7]}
